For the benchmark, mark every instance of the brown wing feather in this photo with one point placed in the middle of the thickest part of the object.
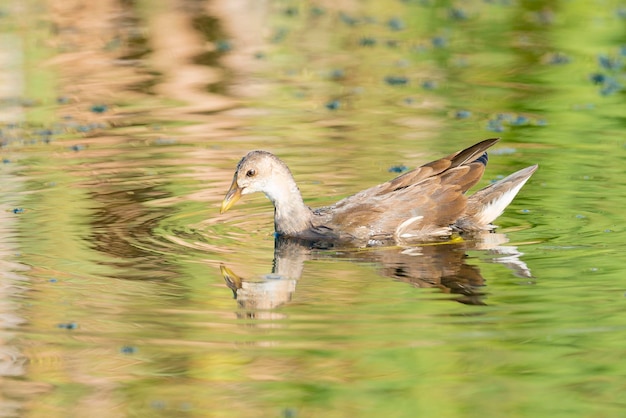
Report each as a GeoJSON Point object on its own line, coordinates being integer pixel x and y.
{"type": "Point", "coordinates": [434, 191]}
{"type": "Point", "coordinates": [435, 167]}
{"type": "Point", "coordinates": [471, 153]}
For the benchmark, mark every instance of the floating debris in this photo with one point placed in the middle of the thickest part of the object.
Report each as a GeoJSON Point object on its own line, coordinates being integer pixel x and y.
{"type": "Point", "coordinates": [223, 45]}
{"type": "Point", "coordinates": [393, 80]}
{"type": "Point", "coordinates": [348, 20]}
{"type": "Point", "coordinates": [367, 41]}
{"type": "Point", "coordinates": [333, 105]}
{"type": "Point", "coordinates": [398, 169]}
{"type": "Point", "coordinates": [17, 211]}
{"type": "Point", "coordinates": [439, 42]}
{"type": "Point", "coordinates": [502, 120]}
{"type": "Point", "coordinates": [158, 404]}
{"type": "Point", "coordinates": [68, 325]}
{"type": "Point", "coordinates": [556, 58]}
{"type": "Point", "coordinates": [317, 11]}
{"type": "Point", "coordinates": [429, 85]}
{"type": "Point", "coordinates": [610, 86]}
{"type": "Point", "coordinates": [337, 74]}
{"type": "Point", "coordinates": [519, 121]}
{"type": "Point", "coordinates": [99, 108]}
{"type": "Point", "coordinates": [128, 349]}
{"type": "Point", "coordinates": [462, 114]}
{"type": "Point", "coordinates": [495, 125]}
{"type": "Point", "coordinates": [597, 78]}
{"type": "Point", "coordinates": [396, 24]}
{"type": "Point", "coordinates": [610, 63]}
{"type": "Point", "coordinates": [279, 35]}
{"type": "Point", "coordinates": [291, 11]}
{"type": "Point", "coordinates": [457, 14]}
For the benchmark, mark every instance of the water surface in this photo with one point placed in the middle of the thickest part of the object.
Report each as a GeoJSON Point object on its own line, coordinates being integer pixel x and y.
{"type": "Point", "coordinates": [125, 293]}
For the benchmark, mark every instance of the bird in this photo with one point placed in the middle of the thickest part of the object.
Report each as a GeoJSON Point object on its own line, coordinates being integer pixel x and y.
{"type": "Point", "coordinates": [425, 204]}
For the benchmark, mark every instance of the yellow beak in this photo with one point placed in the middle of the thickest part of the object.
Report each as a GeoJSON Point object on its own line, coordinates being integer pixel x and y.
{"type": "Point", "coordinates": [232, 196]}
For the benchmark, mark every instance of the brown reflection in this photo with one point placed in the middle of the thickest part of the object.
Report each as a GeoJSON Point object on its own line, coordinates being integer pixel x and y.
{"type": "Point", "coordinates": [441, 265]}
{"type": "Point", "coordinates": [123, 229]}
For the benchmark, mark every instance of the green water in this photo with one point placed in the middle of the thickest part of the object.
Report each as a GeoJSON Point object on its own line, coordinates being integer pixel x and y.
{"type": "Point", "coordinates": [122, 122]}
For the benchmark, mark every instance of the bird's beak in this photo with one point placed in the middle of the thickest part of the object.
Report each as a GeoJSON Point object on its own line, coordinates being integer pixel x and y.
{"type": "Point", "coordinates": [232, 196]}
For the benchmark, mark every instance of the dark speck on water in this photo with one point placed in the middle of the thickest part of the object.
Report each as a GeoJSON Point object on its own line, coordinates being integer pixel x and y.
{"type": "Point", "coordinates": [333, 105]}
{"type": "Point", "coordinates": [367, 41]}
{"type": "Point", "coordinates": [393, 80]}
{"type": "Point", "coordinates": [291, 11]}
{"type": "Point", "coordinates": [337, 74]}
{"type": "Point", "coordinates": [457, 14]}
{"type": "Point", "coordinates": [609, 63]}
{"type": "Point", "coordinates": [347, 19]}
{"type": "Point", "coordinates": [223, 45]}
{"type": "Point", "coordinates": [158, 404]}
{"type": "Point", "coordinates": [557, 58]}
{"type": "Point", "coordinates": [495, 125]}
{"type": "Point", "coordinates": [99, 108]}
{"type": "Point", "coordinates": [317, 11]}
{"type": "Point", "coordinates": [519, 120]}
{"type": "Point", "coordinates": [429, 85]}
{"type": "Point", "coordinates": [396, 24]}
{"type": "Point", "coordinates": [68, 325]}
{"type": "Point", "coordinates": [289, 413]}
{"type": "Point", "coordinates": [128, 349]}
{"type": "Point", "coordinates": [610, 86]}
{"type": "Point", "coordinates": [439, 42]}
{"type": "Point", "coordinates": [279, 35]}
{"type": "Point", "coordinates": [392, 43]}
{"type": "Point", "coordinates": [398, 169]}
{"type": "Point", "coordinates": [597, 78]}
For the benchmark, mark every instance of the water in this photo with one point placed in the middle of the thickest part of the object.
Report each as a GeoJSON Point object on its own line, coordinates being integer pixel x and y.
{"type": "Point", "coordinates": [121, 127]}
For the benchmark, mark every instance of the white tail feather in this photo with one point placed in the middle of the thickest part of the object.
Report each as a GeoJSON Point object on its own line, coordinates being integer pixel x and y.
{"type": "Point", "coordinates": [489, 203]}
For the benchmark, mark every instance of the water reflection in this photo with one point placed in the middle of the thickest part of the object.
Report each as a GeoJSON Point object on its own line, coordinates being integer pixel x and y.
{"type": "Point", "coordinates": [439, 265]}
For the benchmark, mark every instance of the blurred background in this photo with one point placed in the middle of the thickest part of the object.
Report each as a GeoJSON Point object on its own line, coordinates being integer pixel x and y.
{"type": "Point", "coordinates": [124, 292]}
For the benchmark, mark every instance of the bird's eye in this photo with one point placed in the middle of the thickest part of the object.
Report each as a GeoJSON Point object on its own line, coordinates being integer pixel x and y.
{"type": "Point", "coordinates": [251, 173]}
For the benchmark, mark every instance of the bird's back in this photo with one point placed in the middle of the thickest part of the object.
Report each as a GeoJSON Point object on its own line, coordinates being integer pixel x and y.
{"type": "Point", "coordinates": [419, 204]}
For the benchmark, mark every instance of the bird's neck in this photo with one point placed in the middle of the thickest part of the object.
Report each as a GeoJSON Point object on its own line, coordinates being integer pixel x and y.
{"type": "Point", "coordinates": [291, 215]}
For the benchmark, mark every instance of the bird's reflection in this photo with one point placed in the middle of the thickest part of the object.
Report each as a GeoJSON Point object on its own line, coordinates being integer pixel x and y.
{"type": "Point", "coordinates": [441, 265]}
